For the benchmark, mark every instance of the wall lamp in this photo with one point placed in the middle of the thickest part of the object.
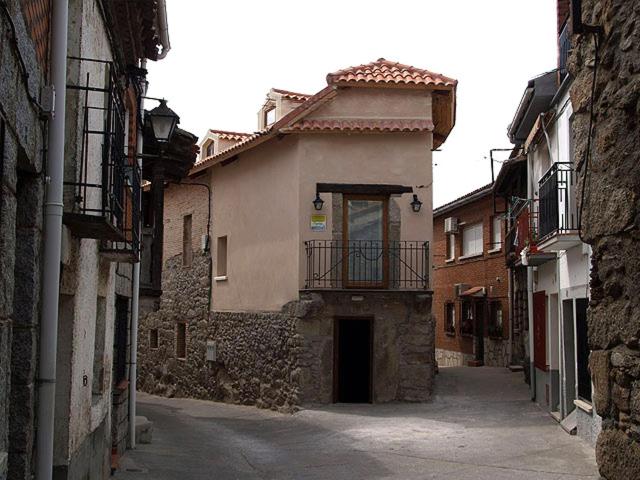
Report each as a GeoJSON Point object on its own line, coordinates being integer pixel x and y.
{"type": "Point", "coordinates": [163, 122]}
{"type": "Point", "coordinates": [416, 204]}
{"type": "Point", "coordinates": [318, 202]}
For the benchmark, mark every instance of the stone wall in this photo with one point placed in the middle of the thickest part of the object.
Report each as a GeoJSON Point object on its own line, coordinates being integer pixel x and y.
{"type": "Point", "coordinates": [403, 342]}
{"type": "Point", "coordinates": [452, 358]}
{"type": "Point", "coordinates": [21, 200]}
{"type": "Point", "coordinates": [495, 352]}
{"type": "Point", "coordinates": [255, 362]}
{"type": "Point", "coordinates": [611, 222]}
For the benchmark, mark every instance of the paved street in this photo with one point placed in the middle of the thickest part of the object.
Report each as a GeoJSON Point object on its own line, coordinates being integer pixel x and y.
{"type": "Point", "coordinates": [480, 425]}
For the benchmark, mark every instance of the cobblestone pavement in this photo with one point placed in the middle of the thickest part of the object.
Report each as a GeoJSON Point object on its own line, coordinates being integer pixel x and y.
{"type": "Point", "coordinates": [480, 425]}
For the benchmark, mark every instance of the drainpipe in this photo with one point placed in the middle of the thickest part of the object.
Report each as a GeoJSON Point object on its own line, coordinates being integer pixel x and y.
{"type": "Point", "coordinates": [511, 319]}
{"type": "Point", "coordinates": [532, 368]}
{"type": "Point", "coordinates": [53, 209]}
{"type": "Point", "coordinates": [135, 294]}
{"type": "Point", "coordinates": [164, 29]}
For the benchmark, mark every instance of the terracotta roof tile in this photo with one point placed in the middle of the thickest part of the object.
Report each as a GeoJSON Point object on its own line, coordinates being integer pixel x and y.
{"type": "Point", "coordinates": [292, 95]}
{"type": "Point", "coordinates": [389, 73]}
{"type": "Point", "coordinates": [363, 126]}
{"type": "Point", "coordinates": [230, 135]}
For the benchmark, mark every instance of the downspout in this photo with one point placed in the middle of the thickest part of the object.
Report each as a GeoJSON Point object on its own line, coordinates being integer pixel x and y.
{"type": "Point", "coordinates": [135, 294]}
{"type": "Point", "coordinates": [164, 29]}
{"type": "Point", "coordinates": [532, 368]}
{"type": "Point", "coordinates": [53, 210]}
{"type": "Point", "coordinates": [511, 319]}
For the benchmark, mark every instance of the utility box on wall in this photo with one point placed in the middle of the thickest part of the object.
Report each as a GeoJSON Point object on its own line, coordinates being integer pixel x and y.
{"type": "Point", "coordinates": [211, 351]}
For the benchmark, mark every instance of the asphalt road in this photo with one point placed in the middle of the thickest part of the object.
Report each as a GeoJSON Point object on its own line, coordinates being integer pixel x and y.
{"type": "Point", "coordinates": [480, 425]}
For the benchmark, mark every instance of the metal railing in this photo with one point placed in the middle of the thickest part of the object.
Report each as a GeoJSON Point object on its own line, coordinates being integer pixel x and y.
{"type": "Point", "coordinates": [108, 179]}
{"type": "Point", "coordinates": [557, 188]}
{"type": "Point", "coordinates": [522, 227]}
{"type": "Point", "coordinates": [336, 264]}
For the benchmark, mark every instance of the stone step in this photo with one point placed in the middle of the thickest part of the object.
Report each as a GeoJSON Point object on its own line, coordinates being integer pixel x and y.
{"type": "Point", "coordinates": [144, 430]}
{"type": "Point", "coordinates": [516, 368]}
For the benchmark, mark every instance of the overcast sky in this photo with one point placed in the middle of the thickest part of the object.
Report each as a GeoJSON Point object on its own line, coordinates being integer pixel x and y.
{"type": "Point", "coordinates": [226, 55]}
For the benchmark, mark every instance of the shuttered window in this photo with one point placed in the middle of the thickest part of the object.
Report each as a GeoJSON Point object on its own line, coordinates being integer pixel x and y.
{"type": "Point", "coordinates": [472, 239]}
{"type": "Point", "coordinates": [496, 233]}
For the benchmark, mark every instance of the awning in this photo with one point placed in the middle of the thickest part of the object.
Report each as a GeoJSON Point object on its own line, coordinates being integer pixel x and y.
{"type": "Point", "coordinates": [474, 292]}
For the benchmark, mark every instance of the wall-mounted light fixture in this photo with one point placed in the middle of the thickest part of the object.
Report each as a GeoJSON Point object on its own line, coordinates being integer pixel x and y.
{"type": "Point", "coordinates": [416, 204]}
{"type": "Point", "coordinates": [318, 202]}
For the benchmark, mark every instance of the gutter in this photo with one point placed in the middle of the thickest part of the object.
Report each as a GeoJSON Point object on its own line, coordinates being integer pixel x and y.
{"type": "Point", "coordinates": [164, 29]}
{"type": "Point", "coordinates": [52, 241]}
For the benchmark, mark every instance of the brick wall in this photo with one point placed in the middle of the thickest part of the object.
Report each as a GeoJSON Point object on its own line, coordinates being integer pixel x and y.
{"type": "Point", "coordinates": [563, 13]}
{"type": "Point", "coordinates": [478, 271]}
{"type": "Point", "coordinates": [181, 200]}
{"type": "Point", "coordinates": [37, 16]}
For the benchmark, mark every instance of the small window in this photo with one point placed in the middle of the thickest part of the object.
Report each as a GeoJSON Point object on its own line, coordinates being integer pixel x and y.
{"type": "Point", "coordinates": [211, 149]}
{"type": "Point", "coordinates": [451, 247]}
{"type": "Point", "coordinates": [466, 320]}
{"type": "Point", "coordinates": [270, 117]}
{"type": "Point", "coordinates": [496, 233]}
{"type": "Point", "coordinates": [181, 340]}
{"type": "Point", "coordinates": [187, 244]}
{"type": "Point", "coordinates": [496, 326]}
{"type": "Point", "coordinates": [450, 318]}
{"type": "Point", "coordinates": [221, 263]}
{"type": "Point", "coordinates": [472, 239]}
{"type": "Point", "coordinates": [153, 338]}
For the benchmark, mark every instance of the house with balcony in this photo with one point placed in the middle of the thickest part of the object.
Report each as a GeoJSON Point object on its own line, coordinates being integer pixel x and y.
{"type": "Point", "coordinates": [320, 232]}
{"type": "Point", "coordinates": [472, 305]}
{"type": "Point", "coordinates": [543, 246]}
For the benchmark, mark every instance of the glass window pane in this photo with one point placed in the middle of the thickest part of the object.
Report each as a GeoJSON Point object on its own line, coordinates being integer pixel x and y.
{"type": "Point", "coordinates": [365, 235]}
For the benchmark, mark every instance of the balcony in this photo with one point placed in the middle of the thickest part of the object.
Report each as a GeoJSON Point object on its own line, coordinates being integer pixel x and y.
{"type": "Point", "coordinates": [105, 189]}
{"type": "Point", "coordinates": [558, 210]}
{"type": "Point", "coordinates": [367, 264]}
{"type": "Point", "coordinates": [523, 233]}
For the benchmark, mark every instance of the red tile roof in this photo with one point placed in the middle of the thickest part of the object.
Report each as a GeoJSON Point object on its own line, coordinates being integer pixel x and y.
{"type": "Point", "coordinates": [230, 135]}
{"type": "Point", "coordinates": [362, 126]}
{"type": "Point", "coordinates": [464, 199]}
{"type": "Point", "coordinates": [292, 95]}
{"type": "Point", "coordinates": [389, 73]}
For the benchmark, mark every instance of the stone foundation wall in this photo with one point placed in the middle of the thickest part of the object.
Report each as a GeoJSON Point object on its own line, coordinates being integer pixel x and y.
{"type": "Point", "coordinates": [611, 222]}
{"type": "Point", "coordinates": [495, 352]}
{"type": "Point", "coordinates": [255, 361]}
{"type": "Point", "coordinates": [451, 358]}
{"type": "Point", "coordinates": [403, 342]}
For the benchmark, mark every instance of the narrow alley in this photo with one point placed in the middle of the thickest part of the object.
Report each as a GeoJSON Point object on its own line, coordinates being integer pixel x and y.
{"type": "Point", "coordinates": [480, 425]}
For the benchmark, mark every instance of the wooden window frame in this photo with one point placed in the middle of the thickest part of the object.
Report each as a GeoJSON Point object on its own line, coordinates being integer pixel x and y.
{"type": "Point", "coordinates": [385, 241]}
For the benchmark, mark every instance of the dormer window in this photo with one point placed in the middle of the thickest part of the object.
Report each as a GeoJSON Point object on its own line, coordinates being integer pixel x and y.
{"type": "Point", "coordinates": [210, 149]}
{"type": "Point", "coordinates": [270, 116]}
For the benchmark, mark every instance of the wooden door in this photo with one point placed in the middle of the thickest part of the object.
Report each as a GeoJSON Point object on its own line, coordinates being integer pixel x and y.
{"type": "Point", "coordinates": [540, 330]}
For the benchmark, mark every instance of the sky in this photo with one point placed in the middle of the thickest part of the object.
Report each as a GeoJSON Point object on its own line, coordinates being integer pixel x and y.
{"type": "Point", "coordinates": [226, 55]}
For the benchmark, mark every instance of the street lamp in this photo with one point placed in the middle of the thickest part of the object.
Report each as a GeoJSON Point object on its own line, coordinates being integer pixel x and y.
{"type": "Point", "coordinates": [416, 205]}
{"type": "Point", "coordinates": [163, 122]}
{"type": "Point", "coordinates": [318, 202]}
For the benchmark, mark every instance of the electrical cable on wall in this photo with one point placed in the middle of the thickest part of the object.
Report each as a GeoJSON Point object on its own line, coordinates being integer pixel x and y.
{"type": "Point", "coordinates": [590, 134]}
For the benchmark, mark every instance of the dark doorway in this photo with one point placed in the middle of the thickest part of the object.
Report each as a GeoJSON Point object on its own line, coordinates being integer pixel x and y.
{"type": "Point", "coordinates": [352, 363]}
{"type": "Point", "coordinates": [584, 378]}
{"type": "Point", "coordinates": [479, 330]}
{"type": "Point", "coordinates": [121, 339]}
{"type": "Point", "coordinates": [540, 330]}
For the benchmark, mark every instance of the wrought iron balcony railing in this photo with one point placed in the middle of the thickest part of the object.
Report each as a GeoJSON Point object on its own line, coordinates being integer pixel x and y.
{"type": "Point", "coordinates": [336, 264]}
{"type": "Point", "coordinates": [522, 227]}
{"type": "Point", "coordinates": [106, 186]}
{"type": "Point", "coordinates": [558, 213]}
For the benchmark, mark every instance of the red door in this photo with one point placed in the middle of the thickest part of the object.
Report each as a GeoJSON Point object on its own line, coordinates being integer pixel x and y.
{"type": "Point", "coordinates": [540, 330]}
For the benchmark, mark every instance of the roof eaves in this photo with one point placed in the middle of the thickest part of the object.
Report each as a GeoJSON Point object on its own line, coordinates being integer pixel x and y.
{"type": "Point", "coordinates": [464, 200]}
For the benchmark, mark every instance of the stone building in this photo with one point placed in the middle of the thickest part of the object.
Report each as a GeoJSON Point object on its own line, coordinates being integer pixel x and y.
{"type": "Point", "coordinates": [606, 102]}
{"type": "Point", "coordinates": [320, 228]}
{"type": "Point", "coordinates": [92, 54]}
{"type": "Point", "coordinates": [471, 301]}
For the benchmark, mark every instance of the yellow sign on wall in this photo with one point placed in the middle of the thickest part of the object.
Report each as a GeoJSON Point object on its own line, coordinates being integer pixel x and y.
{"type": "Point", "coordinates": [318, 223]}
